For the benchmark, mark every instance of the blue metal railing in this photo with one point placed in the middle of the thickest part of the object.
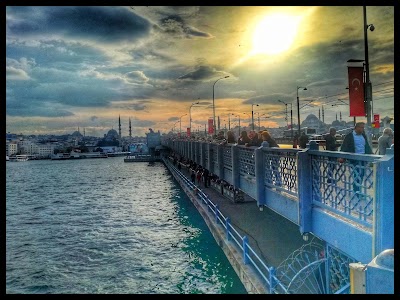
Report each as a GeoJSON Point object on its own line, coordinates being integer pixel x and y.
{"type": "Point", "coordinates": [314, 190]}
{"type": "Point", "coordinates": [232, 235]}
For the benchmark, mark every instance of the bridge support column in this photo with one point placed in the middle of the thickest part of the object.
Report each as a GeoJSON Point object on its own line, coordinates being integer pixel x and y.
{"type": "Point", "coordinates": [305, 182]}
{"type": "Point", "coordinates": [383, 229]}
{"type": "Point", "coordinates": [259, 176]}
{"type": "Point", "coordinates": [235, 166]}
{"type": "Point", "coordinates": [220, 160]}
{"type": "Point", "coordinates": [203, 153]}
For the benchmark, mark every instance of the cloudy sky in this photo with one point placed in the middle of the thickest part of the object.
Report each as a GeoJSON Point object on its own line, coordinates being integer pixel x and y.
{"type": "Point", "coordinates": [70, 67]}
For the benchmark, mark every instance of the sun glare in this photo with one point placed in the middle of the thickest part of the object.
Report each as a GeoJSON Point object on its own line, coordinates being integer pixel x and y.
{"type": "Point", "coordinates": [275, 34]}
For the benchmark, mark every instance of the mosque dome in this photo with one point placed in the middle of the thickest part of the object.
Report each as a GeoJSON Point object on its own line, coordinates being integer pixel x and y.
{"type": "Point", "coordinates": [112, 133]}
{"type": "Point", "coordinates": [77, 134]}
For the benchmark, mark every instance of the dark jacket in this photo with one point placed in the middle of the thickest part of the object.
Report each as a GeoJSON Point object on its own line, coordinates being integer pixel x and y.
{"type": "Point", "coordinates": [272, 142]}
{"type": "Point", "coordinates": [255, 142]}
{"type": "Point", "coordinates": [330, 142]}
{"type": "Point", "coordinates": [303, 140]}
{"type": "Point", "coordinates": [349, 146]}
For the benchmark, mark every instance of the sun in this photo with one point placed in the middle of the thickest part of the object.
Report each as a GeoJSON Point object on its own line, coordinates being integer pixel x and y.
{"type": "Point", "coordinates": [275, 34]}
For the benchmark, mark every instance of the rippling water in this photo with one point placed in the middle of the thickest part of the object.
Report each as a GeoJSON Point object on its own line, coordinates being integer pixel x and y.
{"type": "Point", "coordinates": [105, 226]}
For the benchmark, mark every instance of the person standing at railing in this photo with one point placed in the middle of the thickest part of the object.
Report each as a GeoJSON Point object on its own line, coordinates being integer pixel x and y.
{"type": "Point", "coordinates": [244, 138]}
{"type": "Point", "coordinates": [331, 145]}
{"type": "Point", "coordinates": [268, 141]}
{"type": "Point", "coordinates": [385, 140]}
{"type": "Point", "coordinates": [254, 141]}
{"type": "Point", "coordinates": [356, 142]}
{"type": "Point", "coordinates": [303, 140]}
{"type": "Point", "coordinates": [230, 137]}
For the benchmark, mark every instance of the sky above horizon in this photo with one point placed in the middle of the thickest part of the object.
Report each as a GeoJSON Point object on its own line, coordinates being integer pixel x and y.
{"type": "Point", "coordinates": [70, 67]}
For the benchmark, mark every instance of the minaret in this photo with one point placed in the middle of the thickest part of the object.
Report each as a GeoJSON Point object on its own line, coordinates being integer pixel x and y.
{"type": "Point", "coordinates": [323, 115]}
{"type": "Point", "coordinates": [340, 116]}
{"type": "Point", "coordinates": [119, 126]}
{"type": "Point", "coordinates": [130, 128]}
{"type": "Point", "coordinates": [336, 116]}
{"type": "Point", "coordinates": [83, 131]}
{"type": "Point", "coordinates": [319, 114]}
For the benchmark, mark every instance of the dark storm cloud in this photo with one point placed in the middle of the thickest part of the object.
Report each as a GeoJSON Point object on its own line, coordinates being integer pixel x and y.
{"type": "Point", "coordinates": [202, 73]}
{"type": "Point", "coordinates": [97, 23]}
{"type": "Point", "coordinates": [175, 24]}
{"type": "Point", "coordinates": [268, 99]}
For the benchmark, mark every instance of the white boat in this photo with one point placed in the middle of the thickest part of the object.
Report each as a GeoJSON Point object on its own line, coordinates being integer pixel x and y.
{"type": "Point", "coordinates": [60, 156]}
{"type": "Point", "coordinates": [25, 157]}
{"type": "Point", "coordinates": [7, 158]}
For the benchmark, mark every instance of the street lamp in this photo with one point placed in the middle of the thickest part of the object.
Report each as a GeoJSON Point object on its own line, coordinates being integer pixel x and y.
{"type": "Point", "coordinates": [298, 106]}
{"type": "Point", "coordinates": [174, 126]}
{"type": "Point", "coordinates": [239, 124]}
{"type": "Point", "coordinates": [368, 86]}
{"type": "Point", "coordinates": [252, 115]}
{"type": "Point", "coordinates": [180, 124]}
{"type": "Point", "coordinates": [190, 116]}
{"type": "Point", "coordinates": [291, 115]}
{"type": "Point", "coordinates": [214, 128]}
{"type": "Point", "coordinates": [259, 122]}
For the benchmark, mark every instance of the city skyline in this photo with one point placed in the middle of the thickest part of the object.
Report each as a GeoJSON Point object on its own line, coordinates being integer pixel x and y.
{"type": "Point", "coordinates": [70, 67]}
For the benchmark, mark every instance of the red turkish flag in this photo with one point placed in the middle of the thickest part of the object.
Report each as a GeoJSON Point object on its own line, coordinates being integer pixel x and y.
{"type": "Point", "coordinates": [188, 131]}
{"type": "Point", "coordinates": [356, 91]}
{"type": "Point", "coordinates": [210, 126]}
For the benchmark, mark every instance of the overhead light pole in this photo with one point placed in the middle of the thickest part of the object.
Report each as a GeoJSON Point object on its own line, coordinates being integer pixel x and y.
{"type": "Point", "coordinates": [190, 115]}
{"type": "Point", "coordinates": [214, 127]}
{"type": "Point", "coordinates": [180, 124]}
{"type": "Point", "coordinates": [252, 115]}
{"type": "Point", "coordinates": [239, 124]}
{"type": "Point", "coordinates": [298, 106]}
{"type": "Point", "coordinates": [291, 115]}
{"type": "Point", "coordinates": [368, 86]}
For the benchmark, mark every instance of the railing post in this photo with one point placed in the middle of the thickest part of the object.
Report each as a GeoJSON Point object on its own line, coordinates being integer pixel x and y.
{"type": "Point", "coordinates": [383, 228]}
{"type": "Point", "coordinates": [272, 281]}
{"type": "Point", "coordinates": [210, 164]}
{"type": "Point", "coordinates": [259, 176]}
{"type": "Point", "coordinates": [245, 241]}
{"type": "Point", "coordinates": [227, 224]}
{"type": "Point", "coordinates": [304, 191]}
{"type": "Point", "coordinates": [220, 159]}
{"type": "Point", "coordinates": [203, 154]}
{"type": "Point", "coordinates": [235, 166]}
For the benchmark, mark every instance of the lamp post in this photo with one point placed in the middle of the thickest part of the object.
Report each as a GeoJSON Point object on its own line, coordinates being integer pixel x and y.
{"type": "Point", "coordinates": [239, 124]}
{"type": "Point", "coordinates": [174, 126]}
{"type": "Point", "coordinates": [291, 115]}
{"type": "Point", "coordinates": [368, 87]}
{"type": "Point", "coordinates": [190, 115]}
{"type": "Point", "coordinates": [180, 124]}
{"type": "Point", "coordinates": [214, 127]}
{"type": "Point", "coordinates": [298, 106]}
{"type": "Point", "coordinates": [252, 115]}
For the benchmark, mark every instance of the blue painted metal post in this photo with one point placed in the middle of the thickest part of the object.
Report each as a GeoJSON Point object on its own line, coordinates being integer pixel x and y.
{"type": "Point", "coordinates": [220, 161]}
{"type": "Point", "coordinates": [244, 245]}
{"type": "Point", "coordinates": [259, 176]}
{"type": "Point", "coordinates": [384, 203]}
{"type": "Point", "coordinates": [272, 281]}
{"type": "Point", "coordinates": [235, 166]}
{"type": "Point", "coordinates": [304, 190]}
{"type": "Point", "coordinates": [227, 225]}
{"type": "Point", "coordinates": [203, 154]}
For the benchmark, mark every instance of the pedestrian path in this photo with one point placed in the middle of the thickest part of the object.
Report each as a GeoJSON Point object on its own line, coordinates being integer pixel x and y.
{"type": "Point", "coordinates": [272, 236]}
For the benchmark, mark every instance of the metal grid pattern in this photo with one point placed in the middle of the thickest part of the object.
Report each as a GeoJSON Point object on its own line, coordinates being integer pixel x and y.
{"type": "Point", "coordinates": [246, 161]}
{"type": "Point", "coordinates": [338, 269]}
{"type": "Point", "coordinates": [344, 188]}
{"type": "Point", "coordinates": [280, 170]}
{"type": "Point", "coordinates": [227, 156]}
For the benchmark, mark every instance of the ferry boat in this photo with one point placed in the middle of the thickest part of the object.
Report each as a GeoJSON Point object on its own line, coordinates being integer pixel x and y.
{"type": "Point", "coordinates": [24, 157]}
{"type": "Point", "coordinates": [7, 158]}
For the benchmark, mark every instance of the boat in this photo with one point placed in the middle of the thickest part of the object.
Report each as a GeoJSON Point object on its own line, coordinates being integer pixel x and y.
{"type": "Point", "coordinates": [24, 157]}
{"type": "Point", "coordinates": [60, 156]}
{"type": "Point", "coordinates": [89, 155]}
{"type": "Point", "coordinates": [7, 158]}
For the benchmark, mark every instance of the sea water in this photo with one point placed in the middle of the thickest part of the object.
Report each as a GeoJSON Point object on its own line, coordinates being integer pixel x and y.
{"type": "Point", "coordinates": [103, 226]}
